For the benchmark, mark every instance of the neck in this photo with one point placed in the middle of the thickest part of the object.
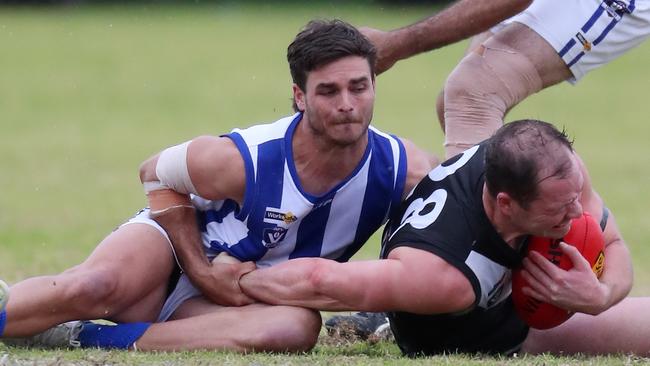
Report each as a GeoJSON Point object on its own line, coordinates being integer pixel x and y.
{"type": "Point", "coordinates": [501, 223]}
{"type": "Point", "coordinates": [322, 164]}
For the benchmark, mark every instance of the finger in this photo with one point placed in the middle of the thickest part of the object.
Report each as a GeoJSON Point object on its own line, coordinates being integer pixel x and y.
{"type": "Point", "coordinates": [535, 288]}
{"type": "Point", "coordinates": [534, 294]}
{"type": "Point", "coordinates": [539, 267]}
{"type": "Point", "coordinates": [579, 262]}
{"type": "Point", "coordinates": [550, 268]}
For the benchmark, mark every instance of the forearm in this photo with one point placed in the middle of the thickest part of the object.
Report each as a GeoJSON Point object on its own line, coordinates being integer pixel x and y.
{"type": "Point", "coordinates": [617, 274]}
{"type": "Point", "coordinates": [180, 225]}
{"type": "Point", "coordinates": [316, 283]}
{"type": "Point", "coordinates": [305, 282]}
{"type": "Point", "coordinates": [461, 20]}
{"type": "Point", "coordinates": [400, 283]}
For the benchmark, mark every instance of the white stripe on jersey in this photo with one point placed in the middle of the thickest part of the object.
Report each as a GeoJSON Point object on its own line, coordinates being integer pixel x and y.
{"type": "Point", "coordinates": [493, 277]}
{"type": "Point", "coordinates": [345, 215]}
{"type": "Point", "coordinates": [259, 134]}
{"type": "Point", "coordinates": [294, 201]}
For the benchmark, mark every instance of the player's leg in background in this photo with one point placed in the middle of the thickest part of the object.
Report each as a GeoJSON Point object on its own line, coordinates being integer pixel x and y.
{"type": "Point", "coordinates": [509, 66]}
{"type": "Point", "coordinates": [124, 279]}
{"type": "Point", "coordinates": [624, 328]}
{"type": "Point", "coordinates": [199, 324]}
{"type": "Point", "coordinates": [474, 43]}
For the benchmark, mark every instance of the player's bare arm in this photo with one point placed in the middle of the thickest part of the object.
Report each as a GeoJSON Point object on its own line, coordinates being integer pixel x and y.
{"type": "Point", "coordinates": [457, 22]}
{"type": "Point", "coordinates": [420, 163]}
{"type": "Point", "coordinates": [409, 279]}
{"type": "Point", "coordinates": [578, 289]}
{"type": "Point", "coordinates": [215, 171]}
{"type": "Point", "coordinates": [617, 274]}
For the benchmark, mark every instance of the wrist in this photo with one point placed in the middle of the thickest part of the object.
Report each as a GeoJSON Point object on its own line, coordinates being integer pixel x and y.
{"type": "Point", "coordinates": [199, 273]}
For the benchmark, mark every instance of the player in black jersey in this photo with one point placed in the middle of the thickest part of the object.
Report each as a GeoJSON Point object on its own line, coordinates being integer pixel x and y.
{"type": "Point", "coordinates": [447, 257]}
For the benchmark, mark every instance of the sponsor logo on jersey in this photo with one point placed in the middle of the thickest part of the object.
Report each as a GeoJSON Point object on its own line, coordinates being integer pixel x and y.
{"type": "Point", "coordinates": [274, 215]}
{"type": "Point", "coordinates": [273, 236]}
{"type": "Point", "coordinates": [586, 45]}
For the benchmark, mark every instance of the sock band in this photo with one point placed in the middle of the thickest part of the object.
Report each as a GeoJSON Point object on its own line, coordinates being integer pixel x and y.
{"type": "Point", "coordinates": [3, 321]}
{"type": "Point", "coordinates": [120, 336]}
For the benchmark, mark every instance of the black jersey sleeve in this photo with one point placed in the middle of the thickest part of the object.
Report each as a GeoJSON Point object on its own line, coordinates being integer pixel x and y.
{"type": "Point", "coordinates": [439, 215]}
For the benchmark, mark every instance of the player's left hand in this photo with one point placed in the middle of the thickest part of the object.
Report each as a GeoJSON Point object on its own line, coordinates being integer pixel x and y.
{"type": "Point", "coordinates": [577, 289]}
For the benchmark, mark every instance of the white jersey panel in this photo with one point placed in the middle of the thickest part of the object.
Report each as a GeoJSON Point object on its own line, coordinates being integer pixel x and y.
{"type": "Point", "coordinates": [295, 203]}
{"type": "Point", "coordinates": [494, 279]}
{"type": "Point", "coordinates": [258, 134]}
{"type": "Point", "coordinates": [344, 216]}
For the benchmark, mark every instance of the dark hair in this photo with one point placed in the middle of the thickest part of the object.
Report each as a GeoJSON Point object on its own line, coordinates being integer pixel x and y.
{"type": "Point", "coordinates": [519, 152]}
{"type": "Point", "coordinates": [324, 41]}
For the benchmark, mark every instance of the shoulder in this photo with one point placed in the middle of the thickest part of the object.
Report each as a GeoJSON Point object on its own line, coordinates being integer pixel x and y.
{"type": "Point", "coordinates": [260, 133]}
{"type": "Point", "coordinates": [419, 164]}
{"type": "Point", "coordinates": [217, 168]}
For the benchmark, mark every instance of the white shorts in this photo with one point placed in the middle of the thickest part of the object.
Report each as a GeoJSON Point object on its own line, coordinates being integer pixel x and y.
{"type": "Point", "coordinates": [184, 289]}
{"type": "Point", "coordinates": [586, 33]}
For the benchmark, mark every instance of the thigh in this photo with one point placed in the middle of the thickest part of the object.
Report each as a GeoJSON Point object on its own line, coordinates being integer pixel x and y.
{"type": "Point", "coordinates": [135, 263]}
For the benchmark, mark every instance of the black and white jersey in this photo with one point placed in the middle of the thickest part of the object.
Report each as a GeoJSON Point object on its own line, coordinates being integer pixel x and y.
{"type": "Point", "coordinates": [444, 215]}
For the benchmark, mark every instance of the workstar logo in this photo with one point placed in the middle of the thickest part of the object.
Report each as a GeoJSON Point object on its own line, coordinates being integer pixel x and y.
{"type": "Point", "coordinates": [274, 215]}
{"type": "Point", "coordinates": [273, 236]}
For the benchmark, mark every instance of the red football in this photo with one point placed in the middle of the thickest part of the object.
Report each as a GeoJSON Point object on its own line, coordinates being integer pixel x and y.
{"type": "Point", "coordinates": [586, 235]}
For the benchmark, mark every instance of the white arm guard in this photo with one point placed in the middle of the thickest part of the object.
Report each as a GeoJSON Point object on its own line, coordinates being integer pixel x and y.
{"type": "Point", "coordinates": [171, 169]}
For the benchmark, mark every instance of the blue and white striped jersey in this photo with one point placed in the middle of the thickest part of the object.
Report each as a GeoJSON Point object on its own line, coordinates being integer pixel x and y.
{"type": "Point", "coordinates": [279, 221]}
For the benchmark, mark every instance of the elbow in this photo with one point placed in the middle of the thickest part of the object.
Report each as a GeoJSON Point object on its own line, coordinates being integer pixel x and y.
{"type": "Point", "coordinates": [147, 170]}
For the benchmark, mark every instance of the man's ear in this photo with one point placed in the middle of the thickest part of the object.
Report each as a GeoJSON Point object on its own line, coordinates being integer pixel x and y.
{"type": "Point", "coordinates": [299, 97]}
{"type": "Point", "coordinates": [505, 203]}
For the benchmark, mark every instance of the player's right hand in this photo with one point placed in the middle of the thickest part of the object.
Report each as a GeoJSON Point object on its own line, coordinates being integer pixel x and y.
{"type": "Point", "coordinates": [221, 284]}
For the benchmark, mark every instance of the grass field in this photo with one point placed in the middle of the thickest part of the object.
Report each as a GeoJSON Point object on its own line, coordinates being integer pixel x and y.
{"type": "Point", "coordinates": [86, 94]}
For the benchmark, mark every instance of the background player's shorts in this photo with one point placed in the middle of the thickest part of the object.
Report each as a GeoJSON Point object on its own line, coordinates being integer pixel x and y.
{"type": "Point", "coordinates": [587, 33]}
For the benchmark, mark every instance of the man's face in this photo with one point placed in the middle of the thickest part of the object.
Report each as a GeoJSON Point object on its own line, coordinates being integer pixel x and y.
{"type": "Point", "coordinates": [550, 214]}
{"type": "Point", "coordinates": [338, 100]}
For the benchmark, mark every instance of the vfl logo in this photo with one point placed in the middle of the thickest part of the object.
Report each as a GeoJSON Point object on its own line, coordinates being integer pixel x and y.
{"type": "Point", "coordinates": [272, 215]}
{"type": "Point", "coordinates": [586, 45]}
{"type": "Point", "coordinates": [273, 236]}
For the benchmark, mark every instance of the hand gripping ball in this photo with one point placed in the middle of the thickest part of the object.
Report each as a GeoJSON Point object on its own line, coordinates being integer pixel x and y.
{"type": "Point", "coordinates": [586, 235]}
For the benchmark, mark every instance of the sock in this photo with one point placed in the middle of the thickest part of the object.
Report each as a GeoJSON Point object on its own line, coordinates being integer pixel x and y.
{"type": "Point", "coordinates": [119, 336]}
{"type": "Point", "coordinates": [3, 321]}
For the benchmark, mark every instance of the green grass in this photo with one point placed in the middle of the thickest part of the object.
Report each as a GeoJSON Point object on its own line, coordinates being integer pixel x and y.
{"type": "Point", "coordinates": [86, 94]}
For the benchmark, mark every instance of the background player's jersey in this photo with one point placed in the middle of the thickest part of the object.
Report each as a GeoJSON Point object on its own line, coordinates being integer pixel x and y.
{"type": "Point", "coordinates": [279, 220]}
{"type": "Point", "coordinates": [445, 216]}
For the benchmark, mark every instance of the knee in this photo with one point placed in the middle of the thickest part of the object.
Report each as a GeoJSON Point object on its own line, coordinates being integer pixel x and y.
{"type": "Point", "coordinates": [91, 292]}
{"type": "Point", "coordinates": [297, 331]}
{"type": "Point", "coordinates": [465, 81]}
